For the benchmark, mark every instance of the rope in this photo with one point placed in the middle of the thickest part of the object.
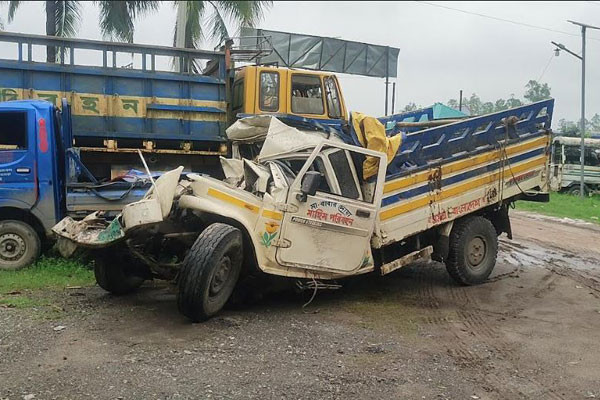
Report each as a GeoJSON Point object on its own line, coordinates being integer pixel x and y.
{"type": "Point", "coordinates": [311, 297]}
{"type": "Point", "coordinates": [506, 161]}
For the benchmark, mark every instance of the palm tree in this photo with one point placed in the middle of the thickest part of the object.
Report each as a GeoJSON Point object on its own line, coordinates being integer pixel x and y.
{"type": "Point", "coordinates": [193, 15]}
{"type": "Point", "coordinates": [63, 17]}
{"type": "Point", "coordinates": [117, 17]}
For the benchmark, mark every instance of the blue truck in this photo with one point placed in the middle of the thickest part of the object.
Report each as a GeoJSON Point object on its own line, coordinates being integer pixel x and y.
{"type": "Point", "coordinates": [70, 131]}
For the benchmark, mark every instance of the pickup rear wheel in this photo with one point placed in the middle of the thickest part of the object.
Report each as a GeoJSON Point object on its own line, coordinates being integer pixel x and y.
{"type": "Point", "coordinates": [210, 272]}
{"type": "Point", "coordinates": [473, 250]}
{"type": "Point", "coordinates": [19, 245]}
{"type": "Point", "coordinates": [117, 272]}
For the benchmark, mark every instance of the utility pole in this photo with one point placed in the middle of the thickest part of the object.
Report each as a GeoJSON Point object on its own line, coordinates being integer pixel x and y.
{"type": "Point", "coordinates": [582, 122]}
{"type": "Point", "coordinates": [582, 153]}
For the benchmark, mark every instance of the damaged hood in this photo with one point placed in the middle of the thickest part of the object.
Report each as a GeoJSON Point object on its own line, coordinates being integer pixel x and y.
{"type": "Point", "coordinates": [96, 232]}
{"type": "Point", "coordinates": [278, 138]}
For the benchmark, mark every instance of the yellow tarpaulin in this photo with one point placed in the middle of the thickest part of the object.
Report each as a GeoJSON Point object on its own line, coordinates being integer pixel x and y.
{"type": "Point", "coordinates": [371, 135]}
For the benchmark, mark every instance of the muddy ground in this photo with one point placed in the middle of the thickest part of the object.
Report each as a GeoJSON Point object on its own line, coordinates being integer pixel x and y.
{"type": "Point", "coordinates": [532, 331]}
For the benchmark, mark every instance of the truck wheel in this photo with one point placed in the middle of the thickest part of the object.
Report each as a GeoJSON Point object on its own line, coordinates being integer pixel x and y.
{"type": "Point", "coordinates": [473, 250]}
{"type": "Point", "coordinates": [20, 245]}
{"type": "Point", "coordinates": [210, 271]}
{"type": "Point", "coordinates": [575, 190]}
{"type": "Point", "coordinates": [116, 272]}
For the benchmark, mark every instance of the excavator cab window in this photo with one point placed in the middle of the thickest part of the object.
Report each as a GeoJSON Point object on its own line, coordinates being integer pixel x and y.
{"type": "Point", "coordinates": [307, 95]}
{"type": "Point", "coordinates": [333, 99]}
{"type": "Point", "coordinates": [269, 91]}
{"type": "Point", "coordinates": [238, 95]}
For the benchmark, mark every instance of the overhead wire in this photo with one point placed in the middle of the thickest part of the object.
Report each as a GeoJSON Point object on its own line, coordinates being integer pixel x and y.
{"type": "Point", "coordinates": [546, 68]}
{"type": "Point", "coordinates": [504, 20]}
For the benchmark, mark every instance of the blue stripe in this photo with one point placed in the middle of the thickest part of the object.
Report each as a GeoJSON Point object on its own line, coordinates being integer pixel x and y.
{"type": "Point", "coordinates": [100, 71]}
{"type": "Point", "coordinates": [407, 194]}
{"type": "Point", "coordinates": [160, 129]}
{"type": "Point", "coordinates": [166, 107]}
{"type": "Point", "coordinates": [131, 83]}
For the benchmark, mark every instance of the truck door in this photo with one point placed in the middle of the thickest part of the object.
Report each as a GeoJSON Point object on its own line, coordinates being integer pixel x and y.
{"type": "Point", "coordinates": [17, 158]}
{"type": "Point", "coordinates": [330, 229]}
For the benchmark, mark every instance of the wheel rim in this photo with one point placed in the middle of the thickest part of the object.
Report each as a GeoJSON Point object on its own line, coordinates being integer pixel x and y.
{"type": "Point", "coordinates": [12, 247]}
{"type": "Point", "coordinates": [221, 276]}
{"type": "Point", "coordinates": [476, 251]}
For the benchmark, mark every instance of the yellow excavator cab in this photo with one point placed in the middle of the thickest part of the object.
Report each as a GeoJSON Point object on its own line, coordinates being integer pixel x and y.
{"type": "Point", "coordinates": [271, 90]}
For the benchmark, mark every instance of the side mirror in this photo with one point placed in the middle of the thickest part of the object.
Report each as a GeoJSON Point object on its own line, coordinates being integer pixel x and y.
{"type": "Point", "coordinates": [310, 184]}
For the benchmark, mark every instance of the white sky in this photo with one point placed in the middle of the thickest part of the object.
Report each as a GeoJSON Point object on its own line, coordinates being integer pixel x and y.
{"type": "Point", "coordinates": [441, 51]}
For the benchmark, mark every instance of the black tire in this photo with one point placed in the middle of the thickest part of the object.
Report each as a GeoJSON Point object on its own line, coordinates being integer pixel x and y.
{"type": "Point", "coordinates": [20, 245]}
{"type": "Point", "coordinates": [210, 272]}
{"type": "Point", "coordinates": [117, 272]}
{"type": "Point", "coordinates": [473, 250]}
{"type": "Point", "coordinates": [575, 190]}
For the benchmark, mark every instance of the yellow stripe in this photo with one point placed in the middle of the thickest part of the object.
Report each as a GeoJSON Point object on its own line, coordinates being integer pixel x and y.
{"type": "Point", "coordinates": [462, 164]}
{"type": "Point", "coordinates": [453, 191]}
{"type": "Point", "coordinates": [272, 214]}
{"type": "Point", "coordinates": [233, 200]}
{"type": "Point", "coordinates": [100, 105]}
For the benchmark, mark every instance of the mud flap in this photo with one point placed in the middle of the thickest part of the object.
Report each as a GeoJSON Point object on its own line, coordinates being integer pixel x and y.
{"type": "Point", "coordinates": [501, 221]}
{"type": "Point", "coordinates": [441, 247]}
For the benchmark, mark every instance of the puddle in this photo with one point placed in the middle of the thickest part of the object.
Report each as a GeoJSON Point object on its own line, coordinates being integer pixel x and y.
{"type": "Point", "coordinates": [533, 255]}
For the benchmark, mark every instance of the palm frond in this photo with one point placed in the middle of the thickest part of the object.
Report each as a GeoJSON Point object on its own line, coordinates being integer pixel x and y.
{"type": "Point", "coordinates": [244, 13]}
{"type": "Point", "coordinates": [241, 13]}
{"type": "Point", "coordinates": [67, 17]}
{"type": "Point", "coordinates": [217, 26]}
{"type": "Point", "coordinates": [193, 27]}
{"type": "Point", "coordinates": [12, 9]}
{"type": "Point", "coordinates": [193, 34]}
{"type": "Point", "coordinates": [117, 17]}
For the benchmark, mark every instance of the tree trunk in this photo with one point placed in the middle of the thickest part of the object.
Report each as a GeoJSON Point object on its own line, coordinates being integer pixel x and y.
{"type": "Point", "coordinates": [182, 20]}
{"type": "Point", "coordinates": [51, 29]}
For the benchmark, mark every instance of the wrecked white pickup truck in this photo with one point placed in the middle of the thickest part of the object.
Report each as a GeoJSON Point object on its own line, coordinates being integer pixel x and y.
{"type": "Point", "coordinates": [312, 207]}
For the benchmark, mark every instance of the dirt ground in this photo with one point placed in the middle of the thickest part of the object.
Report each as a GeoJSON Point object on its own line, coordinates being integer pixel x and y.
{"type": "Point", "coordinates": [532, 331]}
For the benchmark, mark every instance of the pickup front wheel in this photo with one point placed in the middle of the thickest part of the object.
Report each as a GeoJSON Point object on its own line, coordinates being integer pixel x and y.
{"type": "Point", "coordinates": [210, 271]}
{"type": "Point", "coordinates": [473, 250]}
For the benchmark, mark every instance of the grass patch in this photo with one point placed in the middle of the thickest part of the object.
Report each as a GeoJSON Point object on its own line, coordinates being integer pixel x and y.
{"type": "Point", "coordinates": [29, 288]}
{"type": "Point", "coordinates": [14, 301]}
{"type": "Point", "coordinates": [47, 273]}
{"type": "Point", "coordinates": [566, 205]}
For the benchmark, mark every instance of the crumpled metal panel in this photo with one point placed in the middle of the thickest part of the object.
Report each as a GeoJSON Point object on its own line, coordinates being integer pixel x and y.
{"type": "Point", "coordinates": [323, 54]}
